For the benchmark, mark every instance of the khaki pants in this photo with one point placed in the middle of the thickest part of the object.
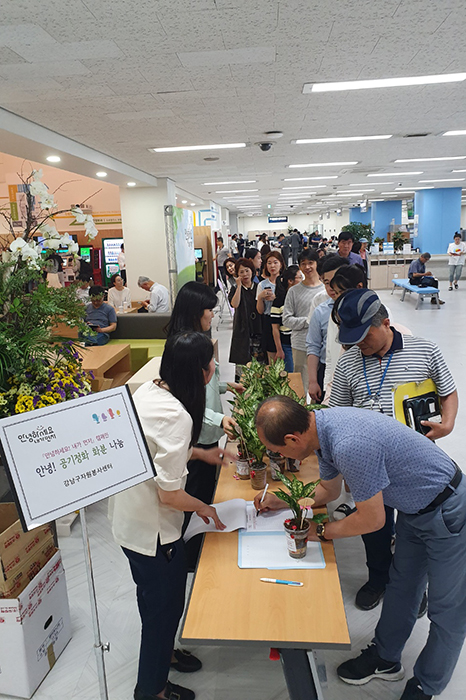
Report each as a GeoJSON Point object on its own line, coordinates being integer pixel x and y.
{"type": "Point", "coordinates": [300, 365]}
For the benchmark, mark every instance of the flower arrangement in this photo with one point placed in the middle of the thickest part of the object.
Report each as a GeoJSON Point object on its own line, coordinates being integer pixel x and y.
{"type": "Point", "coordinates": [45, 384]}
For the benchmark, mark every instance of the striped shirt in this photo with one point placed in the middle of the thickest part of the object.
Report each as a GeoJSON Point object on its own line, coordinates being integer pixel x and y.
{"type": "Point", "coordinates": [413, 360]}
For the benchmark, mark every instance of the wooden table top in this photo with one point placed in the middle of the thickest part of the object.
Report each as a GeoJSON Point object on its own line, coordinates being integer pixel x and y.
{"type": "Point", "coordinates": [229, 605]}
{"type": "Point", "coordinates": [102, 357]}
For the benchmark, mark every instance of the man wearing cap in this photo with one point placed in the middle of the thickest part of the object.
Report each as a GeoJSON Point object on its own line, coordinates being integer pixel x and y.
{"type": "Point", "coordinates": [384, 461]}
{"type": "Point", "coordinates": [380, 359]}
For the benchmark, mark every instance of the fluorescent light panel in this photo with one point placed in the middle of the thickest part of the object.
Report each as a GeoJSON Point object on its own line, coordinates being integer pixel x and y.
{"type": "Point", "coordinates": [231, 182]}
{"type": "Point", "coordinates": [418, 172]}
{"type": "Point", "coordinates": [451, 179]}
{"type": "Point", "coordinates": [425, 160]}
{"type": "Point", "coordinates": [304, 187]}
{"type": "Point", "coordinates": [233, 191]}
{"type": "Point", "coordinates": [340, 139]}
{"type": "Point", "coordinates": [299, 179]}
{"type": "Point", "coordinates": [383, 83]}
{"type": "Point", "coordinates": [352, 191]}
{"type": "Point", "coordinates": [323, 165]}
{"type": "Point", "coordinates": [457, 132]}
{"type": "Point", "coordinates": [364, 184]}
{"type": "Point", "coordinates": [211, 147]}
{"type": "Point", "coordinates": [458, 171]}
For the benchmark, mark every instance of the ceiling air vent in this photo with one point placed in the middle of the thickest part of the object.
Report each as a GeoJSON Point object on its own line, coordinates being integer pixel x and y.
{"type": "Point", "coordinates": [415, 136]}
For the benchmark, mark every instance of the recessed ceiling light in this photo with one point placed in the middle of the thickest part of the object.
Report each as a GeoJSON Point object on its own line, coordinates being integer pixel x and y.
{"type": "Point", "coordinates": [458, 132]}
{"type": "Point", "coordinates": [363, 184]}
{"type": "Point", "coordinates": [451, 179]}
{"type": "Point", "coordinates": [323, 165]}
{"type": "Point", "coordinates": [340, 139]}
{"type": "Point", "coordinates": [383, 83]}
{"type": "Point", "coordinates": [53, 159]}
{"type": "Point", "coordinates": [193, 204]}
{"type": "Point", "coordinates": [458, 171]}
{"type": "Point", "coordinates": [131, 184]}
{"type": "Point", "coordinates": [231, 182]}
{"type": "Point", "coordinates": [211, 147]}
{"type": "Point", "coordinates": [425, 160]}
{"type": "Point", "coordinates": [184, 201]}
{"type": "Point", "coordinates": [418, 172]}
{"type": "Point", "coordinates": [299, 179]}
{"type": "Point", "coordinates": [232, 191]}
{"type": "Point", "coordinates": [101, 173]}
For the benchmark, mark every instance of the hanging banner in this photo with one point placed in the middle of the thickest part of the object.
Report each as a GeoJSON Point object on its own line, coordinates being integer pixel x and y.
{"type": "Point", "coordinates": [70, 455]}
{"type": "Point", "coordinates": [179, 224]}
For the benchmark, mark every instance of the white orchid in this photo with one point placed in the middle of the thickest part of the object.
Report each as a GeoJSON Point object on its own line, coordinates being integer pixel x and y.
{"type": "Point", "coordinates": [51, 243]}
{"type": "Point", "coordinates": [66, 240]}
{"type": "Point", "coordinates": [47, 201]}
{"type": "Point", "coordinates": [17, 245]}
{"type": "Point", "coordinates": [37, 174]}
{"type": "Point", "coordinates": [38, 189]}
{"type": "Point", "coordinates": [49, 231]}
{"type": "Point", "coordinates": [74, 247]}
{"type": "Point", "coordinates": [29, 252]}
{"type": "Point", "coordinates": [80, 216]}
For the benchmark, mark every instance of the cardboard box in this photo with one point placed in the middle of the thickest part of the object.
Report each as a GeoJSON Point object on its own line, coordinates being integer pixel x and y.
{"type": "Point", "coordinates": [34, 629]}
{"type": "Point", "coordinates": [11, 563]}
{"type": "Point", "coordinates": [22, 571]}
{"type": "Point", "coordinates": [13, 541]}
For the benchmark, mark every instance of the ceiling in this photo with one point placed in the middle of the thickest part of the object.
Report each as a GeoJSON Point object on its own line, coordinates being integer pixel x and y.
{"type": "Point", "coordinates": [122, 76]}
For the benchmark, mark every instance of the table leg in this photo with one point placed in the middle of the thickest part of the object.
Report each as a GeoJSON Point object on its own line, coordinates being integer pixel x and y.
{"type": "Point", "coordinates": [418, 301]}
{"type": "Point", "coordinates": [298, 674]}
{"type": "Point", "coordinates": [403, 295]}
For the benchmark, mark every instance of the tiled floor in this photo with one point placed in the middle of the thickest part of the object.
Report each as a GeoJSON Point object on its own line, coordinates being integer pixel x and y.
{"type": "Point", "coordinates": [232, 673]}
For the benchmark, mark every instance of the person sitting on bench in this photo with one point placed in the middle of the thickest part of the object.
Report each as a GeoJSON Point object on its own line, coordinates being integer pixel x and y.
{"type": "Point", "coordinates": [420, 278]}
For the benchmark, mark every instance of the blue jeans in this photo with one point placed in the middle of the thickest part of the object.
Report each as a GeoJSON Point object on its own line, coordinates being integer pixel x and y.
{"type": "Point", "coordinates": [99, 339]}
{"type": "Point", "coordinates": [288, 357]}
{"type": "Point", "coordinates": [455, 272]}
{"type": "Point", "coordinates": [160, 589]}
{"type": "Point", "coordinates": [430, 548]}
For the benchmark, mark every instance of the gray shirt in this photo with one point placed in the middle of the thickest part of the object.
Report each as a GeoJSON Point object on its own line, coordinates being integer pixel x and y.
{"type": "Point", "coordinates": [296, 312]}
{"type": "Point", "coordinates": [375, 453]}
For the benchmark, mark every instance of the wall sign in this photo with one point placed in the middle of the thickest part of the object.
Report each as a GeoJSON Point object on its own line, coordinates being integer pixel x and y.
{"type": "Point", "coordinates": [278, 219]}
{"type": "Point", "coordinates": [67, 456]}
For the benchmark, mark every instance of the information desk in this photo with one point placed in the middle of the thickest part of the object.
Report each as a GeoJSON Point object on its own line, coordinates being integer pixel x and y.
{"type": "Point", "coordinates": [229, 605]}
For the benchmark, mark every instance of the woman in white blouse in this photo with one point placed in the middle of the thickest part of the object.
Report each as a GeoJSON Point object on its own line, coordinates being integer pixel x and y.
{"type": "Point", "coordinates": [119, 296]}
{"type": "Point", "coordinates": [147, 518]}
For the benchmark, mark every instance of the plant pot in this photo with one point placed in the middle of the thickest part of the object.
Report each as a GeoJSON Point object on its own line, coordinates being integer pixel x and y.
{"type": "Point", "coordinates": [242, 468]}
{"type": "Point", "coordinates": [293, 464]}
{"type": "Point", "coordinates": [277, 464]}
{"type": "Point", "coordinates": [296, 538]}
{"type": "Point", "coordinates": [258, 474]}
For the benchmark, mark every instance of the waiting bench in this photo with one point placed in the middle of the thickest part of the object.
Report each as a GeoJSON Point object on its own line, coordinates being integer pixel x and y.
{"type": "Point", "coordinates": [406, 286]}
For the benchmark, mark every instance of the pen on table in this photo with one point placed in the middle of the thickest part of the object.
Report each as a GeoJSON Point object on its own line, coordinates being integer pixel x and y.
{"type": "Point", "coordinates": [279, 580]}
{"type": "Point", "coordinates": [263, 495]}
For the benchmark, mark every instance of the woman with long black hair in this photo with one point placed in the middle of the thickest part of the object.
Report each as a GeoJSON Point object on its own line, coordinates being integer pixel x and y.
{"type": "Point", "coordinates": [147, 519]}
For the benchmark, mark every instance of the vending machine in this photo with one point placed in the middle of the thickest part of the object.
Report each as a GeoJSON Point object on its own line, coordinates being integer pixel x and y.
{"type": "Point", "coordinates": [111, 248]}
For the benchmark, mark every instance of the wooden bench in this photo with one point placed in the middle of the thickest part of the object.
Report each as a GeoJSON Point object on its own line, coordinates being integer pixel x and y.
{"type": "Point", "coordinates": [110, 365]}
{"type": "Point", "coordinates": [406, 286]}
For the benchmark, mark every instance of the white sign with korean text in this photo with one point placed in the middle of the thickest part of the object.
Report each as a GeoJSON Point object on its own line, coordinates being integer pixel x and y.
{"type": "Point", "coordinates": [67, 456]}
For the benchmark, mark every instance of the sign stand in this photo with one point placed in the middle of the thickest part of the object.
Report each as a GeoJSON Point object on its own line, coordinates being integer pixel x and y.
{"type": "Point", "coordinates": [99, 646]}
{"type": "Point", "coordinates": [68, 456]}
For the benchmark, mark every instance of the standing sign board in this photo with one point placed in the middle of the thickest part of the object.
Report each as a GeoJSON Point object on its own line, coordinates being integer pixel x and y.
{"type": "Point", "coordinates": [65, 457]}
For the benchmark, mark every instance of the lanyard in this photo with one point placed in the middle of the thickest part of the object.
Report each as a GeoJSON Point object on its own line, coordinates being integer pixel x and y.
{"type": "Point", "coordinates": [375, 397]}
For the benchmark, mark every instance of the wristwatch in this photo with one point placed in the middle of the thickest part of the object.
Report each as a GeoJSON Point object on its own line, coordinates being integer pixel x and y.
{"type": "Point", "coordinates": [320, 532]}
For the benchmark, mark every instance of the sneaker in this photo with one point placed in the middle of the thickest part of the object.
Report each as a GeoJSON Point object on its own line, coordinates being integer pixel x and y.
{"type": "Point", "coordinates": [342, 511]}
{"type": "Point", "coordinates": [185, 662]}
{"type": "Point", "coordinates": [423, 606]}
{"type": "Point", "coordinates": [434, 301]}
{"type": "Point", "coordinates": [413, 691]}
{"type": "Point", "coordinates": [456, 285]}
{"type": "Point", "coordinates": [369, 665]}
{"type": "Point", "coordinates": [368, 597]}
{"type": "Point", "coordinates": [450, 288]}
{"type": "Point", "coordinates": [172, 692]}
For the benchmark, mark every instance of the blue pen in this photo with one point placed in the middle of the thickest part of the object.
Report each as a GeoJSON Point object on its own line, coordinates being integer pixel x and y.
{"type": "Point", "coordinates": [285, 583]}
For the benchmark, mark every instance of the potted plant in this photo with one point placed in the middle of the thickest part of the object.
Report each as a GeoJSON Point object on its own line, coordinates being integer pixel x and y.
{"type": "Point", "coordinates": [297, 527]}
{"type": "Point", "coordinates": [360, 231]}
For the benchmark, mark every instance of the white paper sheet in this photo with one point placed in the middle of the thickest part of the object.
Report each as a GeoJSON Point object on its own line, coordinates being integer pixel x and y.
{"type": "Point", "coordinates": [268, 550]}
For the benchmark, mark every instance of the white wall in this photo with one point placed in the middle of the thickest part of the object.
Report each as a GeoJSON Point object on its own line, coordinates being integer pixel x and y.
{"type": "Point", "coordinates": [463, 217]}
{"type": "Point", "coordinates": [303, 222]}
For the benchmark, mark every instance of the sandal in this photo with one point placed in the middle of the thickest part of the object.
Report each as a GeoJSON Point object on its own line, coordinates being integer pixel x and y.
{"type": "Point", "coordinates": [185, 662]}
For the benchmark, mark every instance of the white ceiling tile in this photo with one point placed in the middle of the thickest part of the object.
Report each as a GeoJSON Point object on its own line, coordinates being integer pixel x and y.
{"type": "Point", "coordinates": [11, 35]}
{"type": "Point", "coordinates": [212, 59]}
{"type": "Point", "coordinates": [44, 69]}
{"type": "Point", "coordinates": [69, 51]}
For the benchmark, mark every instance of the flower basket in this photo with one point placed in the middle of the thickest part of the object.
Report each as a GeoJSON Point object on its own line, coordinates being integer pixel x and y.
{"type": "Point", "coordinates": [258, 474]}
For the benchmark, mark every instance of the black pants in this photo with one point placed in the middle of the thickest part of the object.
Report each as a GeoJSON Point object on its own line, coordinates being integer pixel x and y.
{"type": "Point", "coordinates": [160, 589]}
{"type": "Point", "coordinates": [320, 377]}
{"type": "Point", "coordinates": [200, 483]}
{"type": "Point", "coordinates": [379, 552]}
{"type": "Point", "coordinates": [123, 275]}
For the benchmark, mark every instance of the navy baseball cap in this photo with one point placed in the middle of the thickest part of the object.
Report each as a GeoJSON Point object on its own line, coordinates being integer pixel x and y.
{"type": "Point", "coordinates": [354, 313]}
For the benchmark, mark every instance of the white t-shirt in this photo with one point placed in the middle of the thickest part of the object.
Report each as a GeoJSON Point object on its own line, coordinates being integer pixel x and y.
{"type": "Point", "coordinates": [159, 299]}
{"type": "Point", "coordinates": [137, 514]}
{"type": "Point", "coordinates": [122, 261]}
{"type": "Point", "coordinates": [454, 248]}
{"type": "Point", "coordinates": [118, 298]}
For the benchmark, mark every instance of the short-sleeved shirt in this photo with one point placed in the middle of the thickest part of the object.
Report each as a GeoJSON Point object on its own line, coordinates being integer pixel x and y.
{"type": "Point", "coordinates": [101, 317]}
{"type": "Point", "coordinates": [416, 267]}
{"type": "Point", "coordinates": [266, 284]}
{"type": "Point", "coordinates": [316, 339]}
{"type": "Point", "coordinates": [138, 516]}
{"type": "Point", "coordinates": [412, 360]}
{"type": "Point", "coordinates": [375, 453]}
{"type": "Point", "coordinates": [460, 250]}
